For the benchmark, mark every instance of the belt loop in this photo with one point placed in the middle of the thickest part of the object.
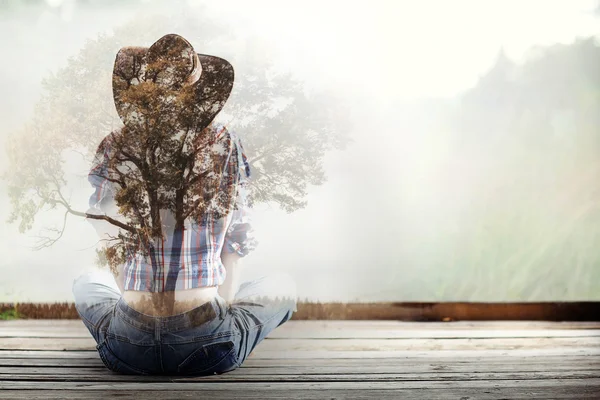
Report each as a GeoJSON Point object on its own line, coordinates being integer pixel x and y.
{"type": "Point", "coordinates": [222, 307]}
{"type": "Point", "coordinates": [157, 328]}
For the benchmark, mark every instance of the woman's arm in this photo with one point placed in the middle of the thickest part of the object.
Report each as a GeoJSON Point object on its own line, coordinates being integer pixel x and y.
{"type": "Point", "coordinates": [239, 239]}
{"type": "Point", "coordinates": [232, 263]}
{"type": "Point", "coordinates": [102, 201]}
{"type": "Point", "coordinates": [120, 278]}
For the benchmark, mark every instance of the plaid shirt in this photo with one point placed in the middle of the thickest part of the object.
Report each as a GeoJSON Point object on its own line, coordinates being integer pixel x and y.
{"type": "Point", "coordinates": [190, 258]}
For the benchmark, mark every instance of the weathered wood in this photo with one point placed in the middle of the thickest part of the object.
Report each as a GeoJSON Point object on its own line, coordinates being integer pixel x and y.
{"type": "Point", "coordinates": [411, 311]}
{"type": "Point", "coordinates": [322, 354]}
{"type": "Point", "coordinates": [478, 363]}
{"type": "Point", "coordinates": [270, 392]}
{"type": "Point", "coordinates": [243, 376]}
{"type": "Point", "coordinates": [578, 384]}
{"type": "Point", "coordinates": [312, 354]}
{"type": "Point", "coordinates": [392, 365]}
{"type": "Point", "coordinates": [329, 359]}
{"type": "Point", "coordinates": [61, 344]}
{"type": "Point", "coordinates": [356, 367]}
{"type": "Point", "coordinates": [337, 333]}
{"type": "Point", "coordinates": [50, 362]}
{"type": "Point", "coordinates": [24, 354]}
{"type": "Point", "coordinates": [41, 324]}
{"type": "Point", "coordinates": [343, 344]}
{"type": "Point", "coordinates": [456, 392]}
{"type": "Point", "coordinates": [324, 324]}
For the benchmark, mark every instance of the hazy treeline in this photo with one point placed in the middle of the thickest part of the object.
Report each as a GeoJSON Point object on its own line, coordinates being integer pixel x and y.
{"type": "Point", "coordinates": [511, 189]}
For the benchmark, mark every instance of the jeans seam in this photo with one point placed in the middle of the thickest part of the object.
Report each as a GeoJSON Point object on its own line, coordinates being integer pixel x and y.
{"type": "Point", "coordinates": [115, 367]}
{"type": "Point", "coordinates": [125, 318]}
{"type": "Point", "coordinates": [197, 352]}
{"type": "Point", "coordinates": [263, 323]}
{"type": "Point", "coordinates": [95, 327]}
{"type": "Point", "coordinates": [198, 339]}
{"type": "Point", "coordinates": [124, 339]}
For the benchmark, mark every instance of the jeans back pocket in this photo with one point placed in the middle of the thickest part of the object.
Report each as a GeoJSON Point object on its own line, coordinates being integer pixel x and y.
{"type": "Point", "coordinates": [209, 359]}
{"type": "Point", "coordinates": [115, 364]}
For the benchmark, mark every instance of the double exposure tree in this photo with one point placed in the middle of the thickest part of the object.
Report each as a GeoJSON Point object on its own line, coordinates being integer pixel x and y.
{"type": "Point", "coordinates": [158, 158]}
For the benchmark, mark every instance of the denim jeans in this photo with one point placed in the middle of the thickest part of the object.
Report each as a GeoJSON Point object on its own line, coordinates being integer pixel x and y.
{"type": "Point", "coordinates": [212, 338]}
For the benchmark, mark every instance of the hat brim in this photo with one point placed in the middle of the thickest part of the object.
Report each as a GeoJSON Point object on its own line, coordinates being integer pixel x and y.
{"type": "Point", "coordinates": [211, 90]}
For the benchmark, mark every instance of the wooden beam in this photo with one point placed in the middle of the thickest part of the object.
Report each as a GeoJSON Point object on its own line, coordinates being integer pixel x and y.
{"type": "Point", "coordinates": [413, 311]}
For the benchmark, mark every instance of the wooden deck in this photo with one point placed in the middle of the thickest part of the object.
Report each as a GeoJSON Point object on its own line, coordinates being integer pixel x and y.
{"type": "Point", "coordinates": [42, 359]}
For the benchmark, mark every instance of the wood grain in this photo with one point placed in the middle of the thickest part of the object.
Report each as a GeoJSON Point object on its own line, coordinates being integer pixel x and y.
{"type": "Point", "coordinates": [384, 345]}
{"type": "Point", "coordinates": [328, 359]}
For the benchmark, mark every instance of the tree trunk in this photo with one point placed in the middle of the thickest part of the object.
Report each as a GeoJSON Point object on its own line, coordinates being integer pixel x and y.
{"type": "Point", "coordinates": [178, 238]}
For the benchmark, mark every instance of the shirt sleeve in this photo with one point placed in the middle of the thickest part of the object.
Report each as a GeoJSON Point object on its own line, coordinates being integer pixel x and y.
{"type": "Point", "coordinates": [240, 233]}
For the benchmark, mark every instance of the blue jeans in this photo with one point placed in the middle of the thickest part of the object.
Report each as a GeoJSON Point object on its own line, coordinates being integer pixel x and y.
{"type": "Point", "coordinates": [212, 338]}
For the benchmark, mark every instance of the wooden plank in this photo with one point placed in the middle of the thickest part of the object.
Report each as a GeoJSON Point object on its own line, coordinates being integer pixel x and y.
{"type": "Point", "coordinates": [348, 324]}
{"type": "Point", "coordinates": [320, 324]}
{"type": "Point", "coordinates": [331, 375]}
{"type": "Point", "coordinates": [428, 344]}
{"type": "Point", "coordinates": [140, 387]}
{"type": "Point", "coordinates": [308, 354]}
{"type": "Point", "coordinates": [270, 392]}
{"type": "Point", "coordinates": [451, 325]}
{"type": "Point", "coordinates": [50, 362]}
{"type": "Point", "coordinates": [358, 394]}
{"type": "Point", "coordinates": [40, 322]}
{"type": "Point", "coordinates": [342, 344]}
{"type": "Point", "coordinates": [60, 344]}
{"type": "Point", "coordinates": [477, 363]}
{"type": "Point", "coordinates": [319, 354]}
{"type": "Point", "coordinates": [339, 333]}
{"type": "Point", "coordinates": [348, 368]}
{"type": "Point", "coordinates": [411, 311]}
{"type": "Point", "coordinates": [335, 360]}
{"type": "Point", "coordinates": [342, 329]}
{"type": "Point", "coordinates": [48, 354]}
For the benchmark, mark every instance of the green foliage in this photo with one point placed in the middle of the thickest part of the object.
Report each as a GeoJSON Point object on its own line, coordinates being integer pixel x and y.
{"type": "Point", "coordinates": [9, 314]}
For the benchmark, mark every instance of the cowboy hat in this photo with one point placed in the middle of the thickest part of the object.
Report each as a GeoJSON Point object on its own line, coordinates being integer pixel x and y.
{"type": "Point", "coordinates": [169, 81]}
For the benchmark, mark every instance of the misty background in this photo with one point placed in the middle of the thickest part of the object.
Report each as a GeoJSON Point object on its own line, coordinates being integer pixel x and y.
{"type": "Point", "coordinates": [471, 170]}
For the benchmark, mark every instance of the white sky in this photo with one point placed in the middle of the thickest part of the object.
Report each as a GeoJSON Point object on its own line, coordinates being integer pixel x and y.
{"type": "Point", "coordinates": [422, 48]}
{"type": "Point", "coordinates": [410, 50]}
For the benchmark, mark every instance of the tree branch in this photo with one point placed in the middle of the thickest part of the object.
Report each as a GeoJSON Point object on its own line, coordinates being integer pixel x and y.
{"type": "Point", "coordinates": [192, 207]}
{"type": "Point", "coordinates": [196, 178]}
{"type": "Point", "coordinates": [49, 242]}
{"type": "Point", "coordinates": [105, 218]}
{"type": "Point", "coordinates": [92, 216]}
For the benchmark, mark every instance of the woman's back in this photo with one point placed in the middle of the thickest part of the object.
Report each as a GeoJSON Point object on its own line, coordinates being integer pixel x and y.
{"type": "Point", "coordinates": [185, 266]}
{"type": "Point", "coordinates": [182, 224]}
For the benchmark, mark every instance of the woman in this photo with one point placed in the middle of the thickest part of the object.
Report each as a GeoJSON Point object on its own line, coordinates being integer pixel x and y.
{"type": "Point", "coordinates": [211, 323]}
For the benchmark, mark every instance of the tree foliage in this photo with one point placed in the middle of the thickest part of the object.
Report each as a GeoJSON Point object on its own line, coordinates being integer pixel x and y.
{"type": "Point", "coordinates": [286, 132]}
